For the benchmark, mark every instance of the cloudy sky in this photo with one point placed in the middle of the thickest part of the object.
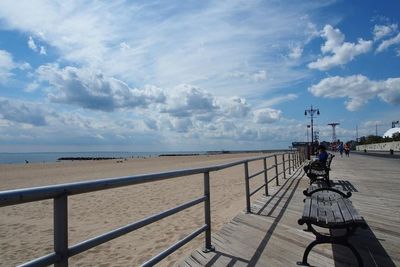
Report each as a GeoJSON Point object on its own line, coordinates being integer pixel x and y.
{"type": "Point", "coordinates": [194, 75]}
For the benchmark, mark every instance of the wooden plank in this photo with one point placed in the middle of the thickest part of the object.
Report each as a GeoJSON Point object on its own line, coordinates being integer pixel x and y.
{"type": "Point", "coordinates": [344, 210]}
{"type": "Point", "coordinates": [338, 217]}
{"type": "Point", "coordinates": [307, 208]}
{"type": "Point", "coordinates": [354, 213]}
{"type": "Point", "coordinates": [330, 218]}
{"type": "Point", "coordinates": [314, 209]}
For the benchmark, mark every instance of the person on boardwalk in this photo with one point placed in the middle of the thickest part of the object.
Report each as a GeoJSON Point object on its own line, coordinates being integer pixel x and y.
{"type": "Point", "coordinates": [347, 150]}
{"type": "Point", "coordinates": [341, 148]}
{"type": "Point", "coordinates": [318, 163]}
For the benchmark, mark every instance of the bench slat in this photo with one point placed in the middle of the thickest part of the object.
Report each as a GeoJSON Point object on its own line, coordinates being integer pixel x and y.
{"type": "Point", "coordinates": [336, 213]}
{"type": "Point", "coordinates": [353, 212]}
{"type": "Point", "coordinates": [307, 208]}
{"type": "Point", "coordinates": [325, 214]}
{"type": "Point", "coordinates": [343, 209]}
{"type": "Point", "coordinates": [314, 209]}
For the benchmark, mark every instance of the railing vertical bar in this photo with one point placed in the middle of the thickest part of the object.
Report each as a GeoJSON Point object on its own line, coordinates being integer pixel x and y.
{"type": "Point", "coordinates": [276, 170]}
{"type": "Point", "coordinates": [207, 213]}
{"type": "Point", "coordinates": [61, 230]}
{"type": "Point", "coordinates": [247, 182]}
{"type": "Point", "coordinates": [265, 176]}
{"type": "Point", "coordinates": [290, 165]}
{"type": "Point", "coordinates": [284, 166]}
{"type": "Point", "coordinates": [300, 158]}
{"type": "Point", "coordinates": [293, 162]}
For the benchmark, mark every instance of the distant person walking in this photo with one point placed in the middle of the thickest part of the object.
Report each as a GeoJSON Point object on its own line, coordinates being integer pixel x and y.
{"type": "Point", "coordinates": [341, 148]}
{"type": "Point", "coordinates": [347, 150]}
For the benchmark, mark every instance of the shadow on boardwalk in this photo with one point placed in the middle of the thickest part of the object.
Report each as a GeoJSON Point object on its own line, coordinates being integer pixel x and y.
{"type": "Point", "coordinates": [272, 207]}
{"type": "Point", "coordinates": [369, 247]}
{"type": "Point", "coordinates": [270, 235]}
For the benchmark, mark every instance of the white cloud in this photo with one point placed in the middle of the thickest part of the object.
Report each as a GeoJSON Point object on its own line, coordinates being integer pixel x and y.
{"type": "Point", "coordinates": [23, 112]}
{"type": "Point", "coordinates": [93, 90]}
{"type": "Point", "coordinates": [388, 43]}
{"type": "Point", "coordinates": [267, 115]}
{"type": "Point", "coordinates": [31, 87]}
{"type": "Point", "coordinates": [181, 125]}
{"type": "Point", "coordinates": [187, 100]}
{"type": "Point", "coordinates": [42, 50]}
{"type": "Point", "coordinates": [234, 107]}
{"type": "Point", "coordinates": [168, 44]}
{"type": "Point", "coordinates": [381, 31]}
{"type": "Point", "coordinates": [358, 89]}
{"type": "Point", "coordinates": [259, 76]}
{"type": "Point", "coordinates": [296, 52]}
{"type": "Point", "coordinates": [278, 100]}
{"type": "Point", "coordinates": [32, 45]}
{"type": "Point", "coordinates": [340, 52]}
{"type": "Point", "coordinates": [7, 65]}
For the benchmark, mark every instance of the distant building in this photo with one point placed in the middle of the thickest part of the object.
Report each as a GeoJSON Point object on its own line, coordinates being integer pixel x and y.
{"type": "Point", "coordinates": [389, 133]}
{"type": "Point", "coordinates": [299, 144]}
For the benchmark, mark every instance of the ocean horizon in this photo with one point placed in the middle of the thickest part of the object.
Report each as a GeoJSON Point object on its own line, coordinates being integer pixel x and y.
{"type": "Point", "coordinates": [44, 157]}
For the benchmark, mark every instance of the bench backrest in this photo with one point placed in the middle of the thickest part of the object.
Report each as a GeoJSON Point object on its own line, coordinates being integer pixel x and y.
{"type": "Point", "coordinates": [329, 161]}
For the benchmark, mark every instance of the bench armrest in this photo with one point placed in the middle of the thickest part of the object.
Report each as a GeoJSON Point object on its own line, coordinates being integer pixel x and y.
{"type": "Point", "coordinates": [309, 194]}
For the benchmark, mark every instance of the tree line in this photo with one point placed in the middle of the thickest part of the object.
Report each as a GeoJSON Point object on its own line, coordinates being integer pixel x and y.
{"type": "Point", "coordinates": [373, 139]}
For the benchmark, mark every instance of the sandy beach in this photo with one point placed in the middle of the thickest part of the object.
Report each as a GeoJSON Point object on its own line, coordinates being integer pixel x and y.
{"type": "Point", "coordinates": [26, 230]}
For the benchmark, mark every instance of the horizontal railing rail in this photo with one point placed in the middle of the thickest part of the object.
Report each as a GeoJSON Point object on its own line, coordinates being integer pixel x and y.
{"type": "Point", "coordinates": [60, 193]}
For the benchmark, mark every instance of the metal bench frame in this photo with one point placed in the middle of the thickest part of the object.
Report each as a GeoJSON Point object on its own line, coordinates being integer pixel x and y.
{"type": "Point", "coordinates": [321, 194]}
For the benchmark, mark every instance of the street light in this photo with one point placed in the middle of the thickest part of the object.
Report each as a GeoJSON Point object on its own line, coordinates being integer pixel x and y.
{"type": "Point", "coordinates": [312, 113]}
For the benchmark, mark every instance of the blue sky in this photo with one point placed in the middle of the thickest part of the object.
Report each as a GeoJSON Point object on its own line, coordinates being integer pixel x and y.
{"type": "Point", "coordinates": [194, 75]}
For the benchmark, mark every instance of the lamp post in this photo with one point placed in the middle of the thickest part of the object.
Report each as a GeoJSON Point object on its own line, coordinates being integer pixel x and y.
{"type": "Point", "coordinates": [312, 113]}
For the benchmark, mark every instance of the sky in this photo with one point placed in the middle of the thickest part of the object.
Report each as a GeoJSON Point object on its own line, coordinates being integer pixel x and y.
{"type": "Point", "coordinates": [194, 75]}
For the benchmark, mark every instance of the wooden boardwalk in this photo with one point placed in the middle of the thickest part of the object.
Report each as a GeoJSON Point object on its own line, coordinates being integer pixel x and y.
{"type": "Point", "coordinates": [271, 236]}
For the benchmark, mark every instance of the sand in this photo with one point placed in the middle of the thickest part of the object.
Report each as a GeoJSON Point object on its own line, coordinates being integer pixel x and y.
{"type": "Point", "coordinates": [26, 231]}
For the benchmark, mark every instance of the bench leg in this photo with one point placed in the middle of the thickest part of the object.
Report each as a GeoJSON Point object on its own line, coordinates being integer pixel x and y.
{"type": "Point", "coordinates": [308, 250]}
{"type": "Point", "coordinates": [321, 239]}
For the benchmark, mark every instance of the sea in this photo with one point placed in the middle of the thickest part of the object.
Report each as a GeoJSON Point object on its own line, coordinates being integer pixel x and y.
{"type": "Point", "coordinates": [44, 157]}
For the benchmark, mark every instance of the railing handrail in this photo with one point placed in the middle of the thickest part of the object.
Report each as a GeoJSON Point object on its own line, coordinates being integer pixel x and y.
{"type": "Point", "coordinates": [24, 195]}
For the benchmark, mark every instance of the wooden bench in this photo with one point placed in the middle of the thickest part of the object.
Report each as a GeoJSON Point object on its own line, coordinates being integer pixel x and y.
{"type": "Point", "coordinates": [315, 169]}
{"type": "Point", "coordinates": [330, 208]}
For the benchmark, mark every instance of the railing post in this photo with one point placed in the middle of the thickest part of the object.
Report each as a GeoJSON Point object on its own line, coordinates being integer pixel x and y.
{"type": "Point", "coordinates": [293, 161]}
{"type": "Point", "coordinates": [276, 170]}
{"type": "Point", "coordinates": [247, 182]}
{"type": "Point", "coordinates": [207, 213]}
{"type": "Point", "coordinates": [290, 165]}
{"type": "Point", "coordinates": [266, 176]}
{"type": "Point", "coordinates": [284, 166]}
{"type": "Point", "coordinates": [61, 230]}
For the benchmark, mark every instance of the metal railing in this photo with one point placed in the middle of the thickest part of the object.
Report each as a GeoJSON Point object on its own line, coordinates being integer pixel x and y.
{"type": "Point", "coordinates": [60, 193]}
{"type": "Point", "coordinates": [293, 160]}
